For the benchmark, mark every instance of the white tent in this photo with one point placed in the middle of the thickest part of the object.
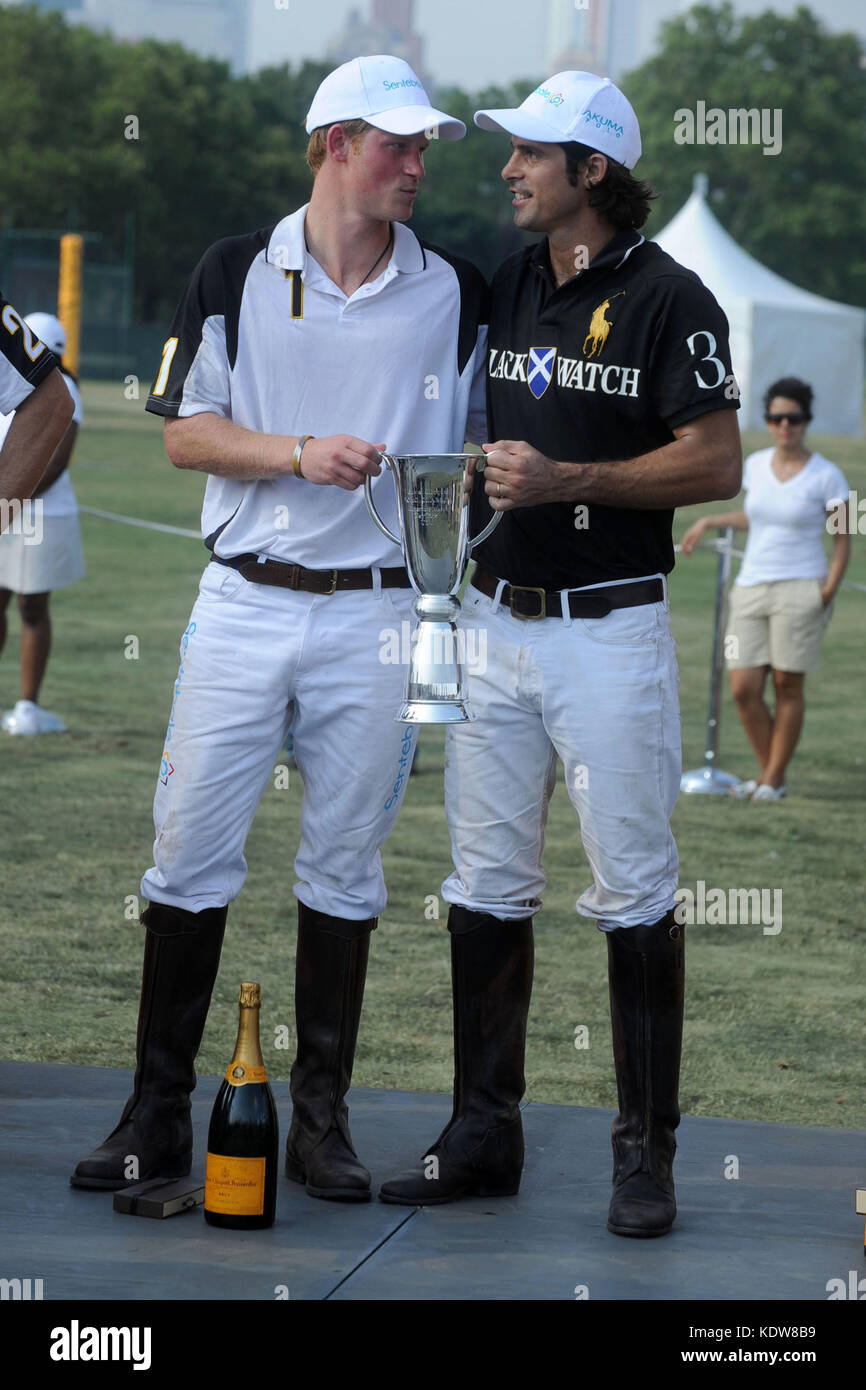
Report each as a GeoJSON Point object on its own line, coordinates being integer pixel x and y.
{"type": "Point", "coordinates": [776, 329]}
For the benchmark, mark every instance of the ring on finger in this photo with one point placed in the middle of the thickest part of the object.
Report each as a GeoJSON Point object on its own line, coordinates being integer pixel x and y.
{"type": "Point", "coordinates": [498, 489]}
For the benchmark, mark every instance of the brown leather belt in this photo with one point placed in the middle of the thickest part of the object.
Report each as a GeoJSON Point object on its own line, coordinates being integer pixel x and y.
{"type": "Point", "coordinates": [527, 602]}
{"type": "Point", "coordinates": [288, 576]}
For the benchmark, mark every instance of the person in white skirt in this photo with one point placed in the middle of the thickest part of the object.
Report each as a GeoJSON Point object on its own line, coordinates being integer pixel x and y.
{"type": "Point", "coordinates": [782, 598]}
{"type": "Point", "coordinates": [44, 556]}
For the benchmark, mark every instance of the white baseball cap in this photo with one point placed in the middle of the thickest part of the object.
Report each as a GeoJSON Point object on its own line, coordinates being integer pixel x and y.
{"type": "Point", "coordinates": [574, 106]}
{"type": "Point", "coordinates": [50, 330]}
{"type": "Point", "coordinates": [383, 91]}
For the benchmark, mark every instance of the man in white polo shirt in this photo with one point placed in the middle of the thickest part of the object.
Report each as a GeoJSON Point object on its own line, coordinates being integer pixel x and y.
{"type": "Point", "coordinates": [298, 353]}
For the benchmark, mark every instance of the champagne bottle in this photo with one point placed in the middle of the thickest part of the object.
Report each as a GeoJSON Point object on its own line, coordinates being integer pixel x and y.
{"type": "Point", "coordinates": [242, 1142]}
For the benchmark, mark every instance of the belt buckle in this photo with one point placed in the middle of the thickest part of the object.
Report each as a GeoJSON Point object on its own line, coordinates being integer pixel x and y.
{"type": "Point", "coordinates": [333, 588]}
{"type": "Point", "coordinates": [528, 589]}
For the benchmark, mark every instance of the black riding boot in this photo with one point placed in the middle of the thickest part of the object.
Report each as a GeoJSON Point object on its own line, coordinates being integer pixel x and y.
{"type": "Point", "coordinates": [646, 966]}
{"type": "Point", "coordinates": [181, 959]}
{"type": "Point", "coordinates": [329, 991]}
{"type": "Point", "coordinates": [480, 1151]}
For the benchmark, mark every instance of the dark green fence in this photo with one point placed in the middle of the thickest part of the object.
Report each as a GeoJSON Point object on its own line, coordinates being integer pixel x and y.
{"type": "Point", "coordinates": [112, 346]}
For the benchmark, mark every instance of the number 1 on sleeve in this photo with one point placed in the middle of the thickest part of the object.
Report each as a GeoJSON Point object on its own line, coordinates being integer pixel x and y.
{"type": "Point", "coordinates": [167, 354]}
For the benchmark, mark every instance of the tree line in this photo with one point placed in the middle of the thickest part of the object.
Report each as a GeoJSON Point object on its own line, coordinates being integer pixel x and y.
{"type": "Point", "coordinates": [93, 128]}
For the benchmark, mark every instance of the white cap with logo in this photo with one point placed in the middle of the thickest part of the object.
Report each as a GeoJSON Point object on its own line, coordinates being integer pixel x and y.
{"type": "Point", "coordinates": [49, 329]}
{"type": "Point", "coordinates": [383, 91]}
{"type": "Point", "coordinates": [576, 106]}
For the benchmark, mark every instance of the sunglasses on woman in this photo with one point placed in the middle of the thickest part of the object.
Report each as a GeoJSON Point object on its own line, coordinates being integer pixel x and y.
{"type": "Point", "coordinates": [779, 419]}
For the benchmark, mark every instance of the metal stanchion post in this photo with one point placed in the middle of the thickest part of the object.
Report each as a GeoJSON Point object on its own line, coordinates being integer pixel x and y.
{"type": "Point", "coordinates": [710, 780]}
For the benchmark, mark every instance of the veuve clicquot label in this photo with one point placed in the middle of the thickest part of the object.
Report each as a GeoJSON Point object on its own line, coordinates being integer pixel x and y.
{"type": "Point", "coordinates": [243, 1137]}
{"type": "Point", "coordinates": [238, 1075]}
{"type": "Point", "coordinates": [235, 1186]}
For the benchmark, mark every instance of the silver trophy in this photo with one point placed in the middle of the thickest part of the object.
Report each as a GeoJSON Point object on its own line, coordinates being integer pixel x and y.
{"type": "Point", "coordinates": [434, 522]}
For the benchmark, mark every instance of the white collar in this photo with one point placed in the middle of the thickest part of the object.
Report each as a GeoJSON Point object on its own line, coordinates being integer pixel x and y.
{"type": "Point", "coordinates": [287, 246]}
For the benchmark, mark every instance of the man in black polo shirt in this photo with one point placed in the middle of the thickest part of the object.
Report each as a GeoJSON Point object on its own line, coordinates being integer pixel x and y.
{"type": "Point", "coordinates": [610, 402]}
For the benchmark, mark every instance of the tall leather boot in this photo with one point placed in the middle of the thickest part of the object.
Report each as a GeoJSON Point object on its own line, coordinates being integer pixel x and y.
{"type": "Point", "coordinates": [329, 991]}
{"type": "Point", "coordinates": [480, 1151]}
{"type": "Point", "coordinates": [646, 967]}
{"type": "Point", "coordinates": [181, 959]}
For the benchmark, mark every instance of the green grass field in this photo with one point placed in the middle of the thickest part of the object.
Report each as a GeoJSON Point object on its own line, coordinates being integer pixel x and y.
{"type": "Point", "coordinates": [774, 1023]}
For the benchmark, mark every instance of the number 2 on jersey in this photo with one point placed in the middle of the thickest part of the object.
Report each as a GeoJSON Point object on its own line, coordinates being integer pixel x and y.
{"type": "Point", "coordinates": [12, 321]}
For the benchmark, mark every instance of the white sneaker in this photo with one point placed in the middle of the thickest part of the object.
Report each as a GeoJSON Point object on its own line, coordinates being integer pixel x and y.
{"type": "Point", "coordinates": [744, 789]}
{"type": "Point", "coordinates": [767, 793]}
{"type": "Point", "coordinates": [27, 718]}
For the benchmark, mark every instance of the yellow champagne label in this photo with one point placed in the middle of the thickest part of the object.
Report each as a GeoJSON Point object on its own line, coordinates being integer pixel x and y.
{"type": "Point", "coordinates": [235, 1186]}
{"type": "Point", "coordinates": [240, 1074]}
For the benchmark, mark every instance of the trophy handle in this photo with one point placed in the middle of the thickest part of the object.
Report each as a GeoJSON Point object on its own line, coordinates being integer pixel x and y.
{"type": "Point", "coordinates": [497, 516]}
{"type": "Point", "coordinates": [371, 505]}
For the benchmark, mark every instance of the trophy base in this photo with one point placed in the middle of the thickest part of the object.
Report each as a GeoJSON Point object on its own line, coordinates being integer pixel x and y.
{"type": "Point", "coordinates": [435, 712]}
{"type": "Point", "coordinates": [708, 781]}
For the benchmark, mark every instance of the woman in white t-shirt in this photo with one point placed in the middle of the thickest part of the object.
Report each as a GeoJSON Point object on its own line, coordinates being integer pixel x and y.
{"type": "Point", "coordinates": [781, 600]}
{"type": "Point", "coordinates": [44, 556]}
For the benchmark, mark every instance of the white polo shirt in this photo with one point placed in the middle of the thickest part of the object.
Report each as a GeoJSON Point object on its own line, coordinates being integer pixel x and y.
{"type": "Point", "coordinates": [263, 337]}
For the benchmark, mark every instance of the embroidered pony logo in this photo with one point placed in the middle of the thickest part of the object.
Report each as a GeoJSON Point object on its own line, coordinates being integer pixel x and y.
{"type": "Point", "coordinates": [599, 329]}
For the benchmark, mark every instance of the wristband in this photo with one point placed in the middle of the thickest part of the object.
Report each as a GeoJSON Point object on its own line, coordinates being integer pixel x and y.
{"type": "Point", "coordinates": [296, 456]}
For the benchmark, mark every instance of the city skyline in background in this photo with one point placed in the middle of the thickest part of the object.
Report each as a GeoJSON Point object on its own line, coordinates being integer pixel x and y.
{"type": "Point", "coordinates": [466, 43]}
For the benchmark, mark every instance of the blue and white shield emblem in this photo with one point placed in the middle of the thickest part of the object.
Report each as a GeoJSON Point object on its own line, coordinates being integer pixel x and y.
{"type": "Point", "coordinates": [540, 370]}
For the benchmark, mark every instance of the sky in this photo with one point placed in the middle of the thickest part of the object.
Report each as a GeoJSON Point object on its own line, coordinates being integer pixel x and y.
{"type": "Point", "coordinates": [472, 43]}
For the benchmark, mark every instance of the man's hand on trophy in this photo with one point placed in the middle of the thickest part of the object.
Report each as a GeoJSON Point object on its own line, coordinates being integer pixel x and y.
{"type": "Point", "coordinates": [340, 460]}
{"type": "Point", "coordinates": [519, 476]}
{"type": "Point", "coordinates": [476, 463]}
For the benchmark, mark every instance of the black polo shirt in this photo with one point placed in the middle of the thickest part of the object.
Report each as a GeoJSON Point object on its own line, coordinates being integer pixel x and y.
{"type": "Point", "coordinates": [602, 369]}
{"type": "Point", "coordinates": [25, 361]}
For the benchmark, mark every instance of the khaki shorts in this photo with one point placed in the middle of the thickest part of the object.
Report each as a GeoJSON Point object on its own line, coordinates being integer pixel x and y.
{"type": "Point", "coordinates": [779, 625]}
